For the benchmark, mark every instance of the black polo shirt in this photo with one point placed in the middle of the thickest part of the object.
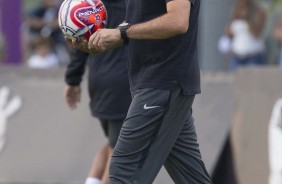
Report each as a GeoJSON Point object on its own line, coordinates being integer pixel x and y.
{"type": "Point", "coordinates": [162, 63]}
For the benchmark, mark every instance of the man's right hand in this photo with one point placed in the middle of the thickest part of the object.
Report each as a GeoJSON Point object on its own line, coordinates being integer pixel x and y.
{"type": "Point", "coordinates": [72, 96]}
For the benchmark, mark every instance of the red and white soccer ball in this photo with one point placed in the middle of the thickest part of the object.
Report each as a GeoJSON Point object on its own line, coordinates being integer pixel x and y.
{"type": "Point", "coordinates": [79, 19]}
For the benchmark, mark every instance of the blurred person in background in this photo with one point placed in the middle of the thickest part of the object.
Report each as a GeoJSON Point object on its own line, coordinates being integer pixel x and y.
{"type": "Point", "coordinates": [42, 21]}
{"type": "Point", "coordinates": [243, 37]}
{"type": "Point", "coordinates": [109, 91]}
{"type": "Point", "coordinates": [277, 34]}
{"type": "Point", "coordinates": [44, 57]}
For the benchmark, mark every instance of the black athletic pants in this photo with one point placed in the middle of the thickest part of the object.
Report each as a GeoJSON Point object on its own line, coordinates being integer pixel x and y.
{"type": "Point", "coordinates": [159, 130]}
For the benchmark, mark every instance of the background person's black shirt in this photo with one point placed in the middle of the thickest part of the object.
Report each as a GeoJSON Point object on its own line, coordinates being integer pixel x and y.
{"type": "Point", "coordinates": [162, 63]}
{"type": "Point", "coordinates": [108, 77]}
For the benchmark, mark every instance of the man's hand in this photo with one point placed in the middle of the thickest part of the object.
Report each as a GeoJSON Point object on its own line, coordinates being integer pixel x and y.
{"type": "Point", "coordinates": [72, 96]}
{"type": "Point", "coordinates": [105, 39]}
{"type": "Point", "coordinates": [83, 46]}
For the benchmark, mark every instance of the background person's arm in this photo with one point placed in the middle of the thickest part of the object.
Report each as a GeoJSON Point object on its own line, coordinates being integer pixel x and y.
{"type": "Point", "coordinates": [76, 68]}
{"type": "Point", "coordinates": [73, 78]}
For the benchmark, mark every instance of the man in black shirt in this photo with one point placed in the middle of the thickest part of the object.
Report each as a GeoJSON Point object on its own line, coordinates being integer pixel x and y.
{"type": "Point", "coordinates": [164, 78]}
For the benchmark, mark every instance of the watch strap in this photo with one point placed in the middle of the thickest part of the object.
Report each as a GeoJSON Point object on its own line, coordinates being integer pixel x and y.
{"type": "Point", "coordinates": [123, 27]}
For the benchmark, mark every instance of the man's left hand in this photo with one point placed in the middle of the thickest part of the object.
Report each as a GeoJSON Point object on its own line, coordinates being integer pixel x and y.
{"type": "Point", "coordinates": [105, 39]}
{"type": "Point", "coordinates": [82, 46]}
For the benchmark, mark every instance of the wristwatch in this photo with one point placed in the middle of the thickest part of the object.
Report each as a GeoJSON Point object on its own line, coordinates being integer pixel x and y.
{"type": "Point", "coordinates": [122, 28]}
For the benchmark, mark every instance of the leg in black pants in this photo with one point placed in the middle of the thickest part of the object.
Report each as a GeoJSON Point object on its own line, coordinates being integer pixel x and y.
{"type": "Point", "coordinates": [159, 129]}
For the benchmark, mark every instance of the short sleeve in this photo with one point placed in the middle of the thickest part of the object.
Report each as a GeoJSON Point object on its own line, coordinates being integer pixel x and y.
{"type": "Point", "coordinates": [192, 1]}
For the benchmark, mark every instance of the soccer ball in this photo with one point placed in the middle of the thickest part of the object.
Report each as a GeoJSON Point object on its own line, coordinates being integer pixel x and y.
{"type": "Point", "coordinates": [79, 19]}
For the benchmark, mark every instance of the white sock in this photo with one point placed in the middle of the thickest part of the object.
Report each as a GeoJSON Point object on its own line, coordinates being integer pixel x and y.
{"type": "Point", "coordinates": [90, 180]}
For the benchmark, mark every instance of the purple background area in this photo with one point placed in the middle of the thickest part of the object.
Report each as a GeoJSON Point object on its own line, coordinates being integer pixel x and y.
{"type": "Point", "coordinates": [10, 15]}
